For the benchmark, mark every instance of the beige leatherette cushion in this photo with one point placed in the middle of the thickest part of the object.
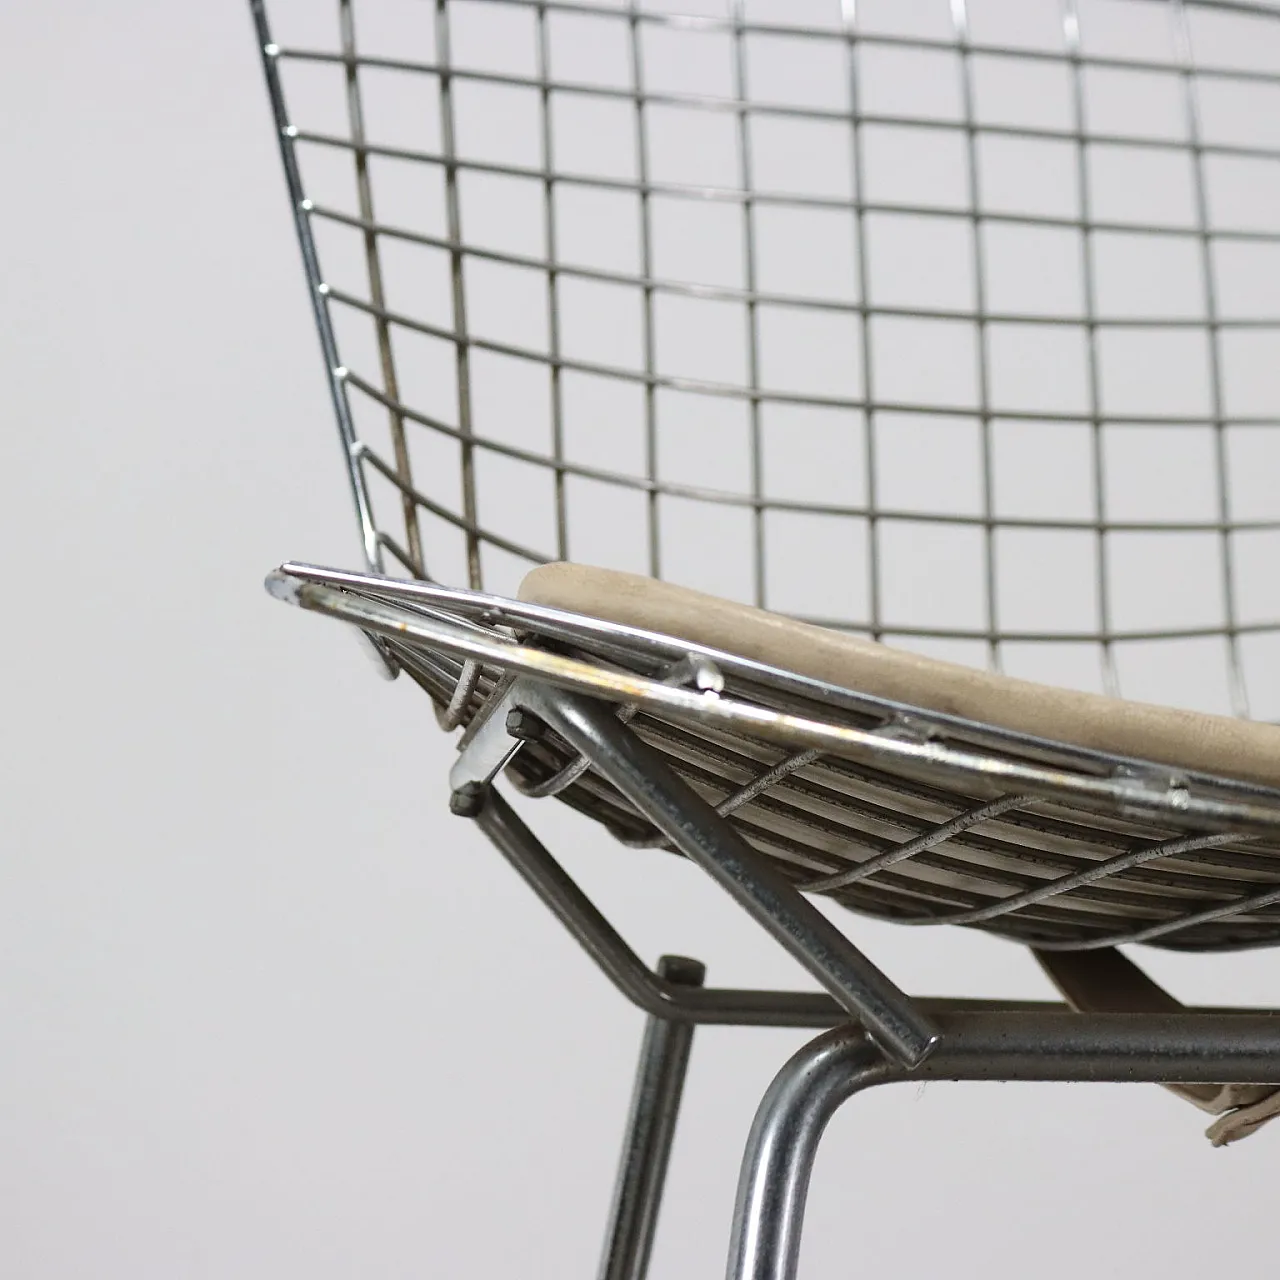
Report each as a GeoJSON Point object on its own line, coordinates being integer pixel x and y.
{"type": "Point", "coordinates": [1221, 745]}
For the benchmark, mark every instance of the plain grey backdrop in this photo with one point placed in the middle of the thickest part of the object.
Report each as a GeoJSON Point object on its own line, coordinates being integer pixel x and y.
{"type": "Point", "coordinates": [267, 1010]}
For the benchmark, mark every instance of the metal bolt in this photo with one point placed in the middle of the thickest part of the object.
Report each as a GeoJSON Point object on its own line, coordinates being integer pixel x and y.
{"type": "Point", "coordinates": [682, 970]}
{"type": "Point", "coordinates": [468, 800]}
{"type": "Point", "coordinates": [524, 725]}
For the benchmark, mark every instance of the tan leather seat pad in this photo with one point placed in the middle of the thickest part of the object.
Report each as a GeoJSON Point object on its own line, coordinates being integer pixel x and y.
{"type": "Point", "coordinates": [1184, 739]}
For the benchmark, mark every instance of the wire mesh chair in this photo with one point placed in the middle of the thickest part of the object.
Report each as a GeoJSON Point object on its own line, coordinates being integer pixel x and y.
{"type": "Point", "coordinates": [947, 335]}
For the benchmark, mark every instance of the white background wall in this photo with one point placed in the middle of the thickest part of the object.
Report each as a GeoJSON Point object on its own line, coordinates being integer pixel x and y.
{"type": "Point", "coordinates": [265, 1008]}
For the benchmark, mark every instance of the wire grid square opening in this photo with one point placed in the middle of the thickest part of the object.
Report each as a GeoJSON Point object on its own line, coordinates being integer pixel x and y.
{"type": "Point", "coordinates": [1238, 113]}
{"type": "Point", "coordinates": [701, 339]}
{"type": "Point", "coordinates": [697, 242]}
{"type": "Point", "coordinates": [710, 443]}
{"type": "Point", "coordinates": [1044, 471]}
{"type": "Point", "coordinates": [1033, 271]}
{"type": "Point", "coordinates": [385, 30]}
{"type": "Point", "coordinates": [796, 71]}
{"type": "Point", "coordinates": [921, 262]}
{"type": "Point", "coordinates": [589, 49]}
{"type": "Point", "coordinates": [1046, 581]}
{"type": "Point", "coordinates": [926, 565]}
{"type": "Point", "coordinates": [498, 38]}
{"type": "Point", "coordinates": [1026, 94]}
{"type": "Point", "coordinates": [1038, 368]}
{"type": "Point", "coordinates": [687, 61]}
{"type": "Point", "coordinates": [1016, 24]}
{"type": "Point", "coordinates": [1156, 373]}
{"type": "Point", "coordinates": [507, 305]}
{"type": "Point", "coordinates": [954, 484]}
{"type": "Point", "coordinates": [416, 281]}
{"type": "Point", "coordinates": [805, 253]}
{"type": "Point", "coordinates": [1242, 192]}
{"type": "Point", "coordinates": [1252, 463]}
{"type": "Point", "coordinates": [1250, 358]}
{"type": "Point", "coordinates": [929, 20]}
{"type": "Point", "coordinates": [503, 214]}
{"type": "Point", "coordinates": [1157, 476]}
{"type": "Point", "coordinates": [410, 197]}
{"type": "Point", "coordinates": [925, 363]}
{"type": "Point", "coordinates": [426, 373]}
{"type": "Point", "coordinates": [594, 137]}
{"type": "Point", "coordinates": [810, 353]}
{"type": "Point", "coordinates": [602, 324]}
{"type": "Point", "coordinates": [1255, 555]}
{"type": "Point", "coordinates": [1246, 276]}
{"type": "Point", "coordinates": [603, 423]}
{"type": "Point", "coordinates": [1190, 562]}
{"type": "Point", "coordinates": [911, 83]}
{"type": "Point", "coordinates": [810, 160]}
{"type": "Point", "coordinates": [812, 455]}
{"type": "Point", "coordinates": [691, 146]}
{"type": "Point", "coordinates": [1028, 178]}
{"type": "Point", "coordinates": [400, 110]}
{"type": "Point", "coordinates": [915, 166]}
{"type": "Point", "coordinates": [497, 123]}
{"type": "Point", "coordinates": [1140, 187]}
{"type": "Point", "coordinates": [598, 229]}
{"type": "Point", "coordinates": [1118, 29]}
{"type": "Point", "coordinates": [1121, 102]}
{"type": "Point", "coordinates": [1234, 41]}
{"type": "Point", "coordinates": [1157, 276]}
{"type": "Point", "coordinates": [511, 402]}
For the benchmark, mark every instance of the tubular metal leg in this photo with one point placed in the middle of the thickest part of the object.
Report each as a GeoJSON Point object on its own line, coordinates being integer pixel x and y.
{"type": "Point", "coordinates": [769, 1213]}
{"type": "Point", "coordinates": [651, 1125]}
{"type": "Point", "coordinates": [980, 1045]}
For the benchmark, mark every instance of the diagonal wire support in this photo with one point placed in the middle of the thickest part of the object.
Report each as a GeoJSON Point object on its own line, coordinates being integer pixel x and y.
{"type": "Point", "coordinates": [705, 838]}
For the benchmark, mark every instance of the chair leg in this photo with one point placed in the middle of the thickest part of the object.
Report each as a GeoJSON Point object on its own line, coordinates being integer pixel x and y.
{"type": "Point", "coordinates": [651, 1125]}
{"type": "Point", "coordinates": [976, 1044]}
{"type": "Point", "coordinates": [773, 1186]}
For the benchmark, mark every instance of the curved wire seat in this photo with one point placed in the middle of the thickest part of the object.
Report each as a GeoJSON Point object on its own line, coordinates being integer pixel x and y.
{"type": "Point", "coordinates": [893, 810]}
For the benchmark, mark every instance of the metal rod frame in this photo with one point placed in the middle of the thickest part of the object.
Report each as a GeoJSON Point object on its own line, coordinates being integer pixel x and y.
{"type": "Point", "coordinates": [651, 1128]}
{"type": "Point", "coordinates": [967, 1039]}
{"type": "Point", "coordinates": [873, 1033]}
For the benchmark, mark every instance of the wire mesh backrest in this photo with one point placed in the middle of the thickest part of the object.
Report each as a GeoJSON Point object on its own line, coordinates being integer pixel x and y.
{"type": "Point", "coordinates": [958, 324]}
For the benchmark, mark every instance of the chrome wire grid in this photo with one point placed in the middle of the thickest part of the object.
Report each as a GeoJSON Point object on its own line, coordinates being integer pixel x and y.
{"type": "Point", "coordinates": [896, 812]}
{"type": "Point", "coordinates": [951, 324]}
{"type": "Point", "coordinates": [695, 296]}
